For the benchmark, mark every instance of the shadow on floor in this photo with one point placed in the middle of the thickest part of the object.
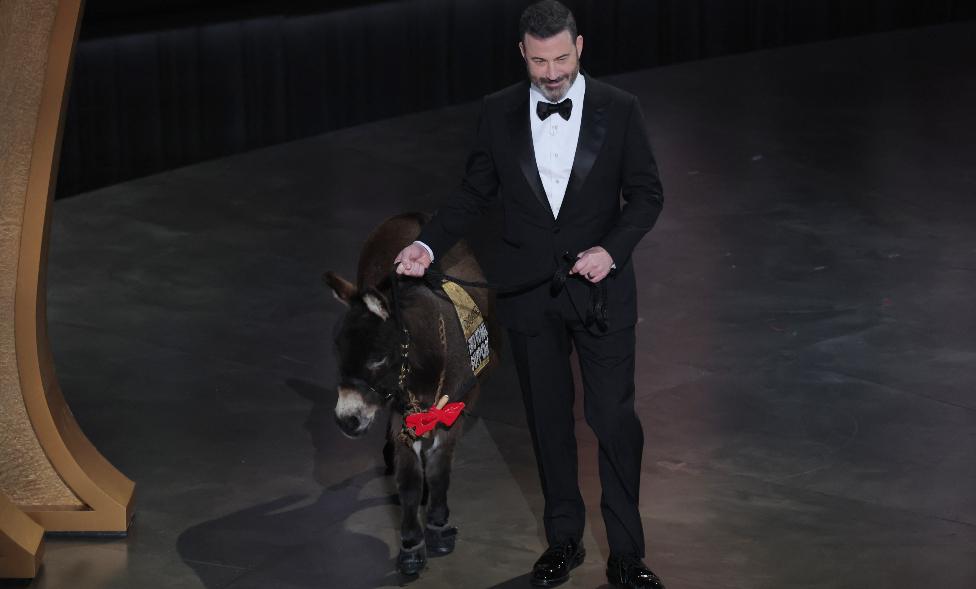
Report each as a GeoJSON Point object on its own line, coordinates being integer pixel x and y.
{"type": "Point", "coordinates": [291, 542]}
{"type": "Point", "coordinates": [294, 541]}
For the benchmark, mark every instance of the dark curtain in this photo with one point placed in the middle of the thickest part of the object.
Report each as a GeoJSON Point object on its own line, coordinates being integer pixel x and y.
{"type": "Point", "coordinates": [213, 83]}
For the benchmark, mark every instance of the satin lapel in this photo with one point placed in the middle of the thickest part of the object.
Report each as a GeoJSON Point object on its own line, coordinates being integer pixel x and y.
{"type": "Point", "coordinates": [593, 130]}
{"type": "Point", "coordinates": [521, 134]}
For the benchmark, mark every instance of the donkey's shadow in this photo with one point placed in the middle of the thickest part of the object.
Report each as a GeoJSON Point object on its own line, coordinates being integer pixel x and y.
{"type": "Point", "coordinates": [295, 541]}
{"type": "Point", "coordinates": [290, 541]}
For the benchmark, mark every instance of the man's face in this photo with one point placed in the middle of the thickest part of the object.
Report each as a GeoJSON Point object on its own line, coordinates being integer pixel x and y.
{"type": "Point", "coordinates": [552, 63]}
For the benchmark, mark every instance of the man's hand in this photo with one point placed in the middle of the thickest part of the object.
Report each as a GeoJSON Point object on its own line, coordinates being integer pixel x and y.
{"type": "Point", "coordinates": [593, 264]}
{"type": "Point", "coordinates": [412, 260]}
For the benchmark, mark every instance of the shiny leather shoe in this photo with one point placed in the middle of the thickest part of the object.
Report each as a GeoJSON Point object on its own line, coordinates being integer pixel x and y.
{"type": "Point", "coordinates": [631, 573]}
{"type": "Point", "coordinates": [554, 565]}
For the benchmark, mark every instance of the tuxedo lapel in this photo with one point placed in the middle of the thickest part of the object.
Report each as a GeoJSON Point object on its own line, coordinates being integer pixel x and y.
{"type": "Point", "coordinates": [593, 131]}
{"type": "Point", "coordinates": [521, 134]}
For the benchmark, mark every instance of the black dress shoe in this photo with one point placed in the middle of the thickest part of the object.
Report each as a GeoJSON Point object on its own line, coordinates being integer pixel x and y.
{"type": "Point", "coordinates": [554, 565]}
{"type": "Point", "coordinates": [631, 572]}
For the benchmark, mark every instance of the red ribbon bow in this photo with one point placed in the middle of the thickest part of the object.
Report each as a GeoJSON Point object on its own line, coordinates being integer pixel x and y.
{"type": "Point", "coordinates": [421, 423]}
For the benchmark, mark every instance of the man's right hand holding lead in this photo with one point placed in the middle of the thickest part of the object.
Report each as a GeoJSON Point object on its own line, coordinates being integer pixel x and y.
{"type": "Point", "coordinates": [413, 260]}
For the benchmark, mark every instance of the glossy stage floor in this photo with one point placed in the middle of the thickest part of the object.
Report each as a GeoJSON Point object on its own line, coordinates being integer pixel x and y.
{"type": "Point", "coordinates": [807, 344]}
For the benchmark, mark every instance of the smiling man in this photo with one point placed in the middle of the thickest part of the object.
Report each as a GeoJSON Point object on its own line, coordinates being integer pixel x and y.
{"type": "Point", "coordinates": [568, 160]}
{"type": "Point", "coordinates": [553, 63]}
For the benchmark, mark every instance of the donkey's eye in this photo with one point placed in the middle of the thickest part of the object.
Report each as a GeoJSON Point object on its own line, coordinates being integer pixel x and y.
{"type": "Point", "coordinates": [376, 364]}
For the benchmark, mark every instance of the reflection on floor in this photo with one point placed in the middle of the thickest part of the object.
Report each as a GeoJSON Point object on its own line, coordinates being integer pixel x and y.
{"type": "Point", "coordinates": [806, 352]}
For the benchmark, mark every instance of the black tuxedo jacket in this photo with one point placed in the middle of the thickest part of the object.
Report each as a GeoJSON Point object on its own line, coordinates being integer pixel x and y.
{"type": "Point", "coordinates": [613, 198]}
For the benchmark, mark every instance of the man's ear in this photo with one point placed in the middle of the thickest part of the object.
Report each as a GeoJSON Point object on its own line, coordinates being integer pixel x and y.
{"type": "Point", "coordinates": [579, 46]}
{"type": "Point", "coordinates": [342, 289]}
{"type": "Point", "coordinates": [376, 303]}
{"type": "Point", "coordinates": [522, 49]}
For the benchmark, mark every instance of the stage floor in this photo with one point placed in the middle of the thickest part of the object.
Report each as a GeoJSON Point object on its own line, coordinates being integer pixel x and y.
{"type": "Point", "coordinates": [806, 349]}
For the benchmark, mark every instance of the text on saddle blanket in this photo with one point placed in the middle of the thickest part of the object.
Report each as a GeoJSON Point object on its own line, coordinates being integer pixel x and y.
{"type": "Point", "coordinates": [472, 324]}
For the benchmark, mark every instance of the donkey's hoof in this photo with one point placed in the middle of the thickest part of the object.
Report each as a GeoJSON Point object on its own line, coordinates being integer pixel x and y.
{"type": "Point", "coordinates": [440, 539]}
{"type": "Point", "coordinates": [413, 560]}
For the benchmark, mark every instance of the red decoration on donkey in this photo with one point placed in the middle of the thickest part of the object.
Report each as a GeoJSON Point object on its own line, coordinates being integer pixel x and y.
{"type": "Point", "coordinates": [420, 424]}
{"type": "Point", "coordinates": [400, 345]}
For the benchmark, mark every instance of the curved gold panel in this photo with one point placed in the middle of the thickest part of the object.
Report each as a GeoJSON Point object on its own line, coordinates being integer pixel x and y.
{"type": "Point", "coordinates": [48, 467]}
{"type": "Point", "coordinates": [21, 543]}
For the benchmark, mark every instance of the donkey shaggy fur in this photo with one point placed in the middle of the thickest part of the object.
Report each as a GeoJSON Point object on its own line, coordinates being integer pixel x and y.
{"type": "Point", "coordinates": [368, 342]}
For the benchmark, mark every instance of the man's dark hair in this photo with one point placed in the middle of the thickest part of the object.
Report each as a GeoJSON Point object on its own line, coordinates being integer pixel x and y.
{"type": "Point", "coordinates": [545, 19]}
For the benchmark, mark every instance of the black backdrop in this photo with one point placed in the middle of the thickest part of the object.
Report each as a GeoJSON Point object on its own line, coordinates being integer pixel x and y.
{"type": "Point", "coordinates": [160, 84]}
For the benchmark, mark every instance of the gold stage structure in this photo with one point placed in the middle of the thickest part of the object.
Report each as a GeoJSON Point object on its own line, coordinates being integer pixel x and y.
{"type": "Point", "coordinates": [51, 477]}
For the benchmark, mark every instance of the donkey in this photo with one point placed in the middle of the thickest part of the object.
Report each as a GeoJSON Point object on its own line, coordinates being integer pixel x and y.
{"type": "Point", "coordinates": [373, 374]}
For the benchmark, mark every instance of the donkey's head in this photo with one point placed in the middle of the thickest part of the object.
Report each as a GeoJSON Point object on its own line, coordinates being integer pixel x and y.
{"type": "Point", "coordinates": [367, 342]}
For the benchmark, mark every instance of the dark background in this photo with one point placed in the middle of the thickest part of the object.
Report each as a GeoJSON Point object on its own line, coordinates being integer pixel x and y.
{"type": "Point", "coordinates": [161, 84]}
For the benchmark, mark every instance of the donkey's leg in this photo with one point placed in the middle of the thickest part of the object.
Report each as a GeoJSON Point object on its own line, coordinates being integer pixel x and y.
{"type": "Point", "coordinates": [389, 449]}
{"type": "Point", "coordinates": [439, 535]}
{"type": "Point", "coordinates": [410, 482]}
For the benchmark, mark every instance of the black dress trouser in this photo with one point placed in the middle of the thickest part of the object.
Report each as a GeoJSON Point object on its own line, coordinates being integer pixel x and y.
{"type": "Point", "coordinates": [607, 367]}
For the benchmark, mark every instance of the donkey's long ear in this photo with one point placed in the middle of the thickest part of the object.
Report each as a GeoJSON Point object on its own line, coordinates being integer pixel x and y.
{"type": "Point", "coordinates": [376, 303]}
{"type": "Point", "coordinates": [342, 289]}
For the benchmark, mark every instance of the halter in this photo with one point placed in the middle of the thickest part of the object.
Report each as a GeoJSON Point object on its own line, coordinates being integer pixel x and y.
{"type": "Point", "coordinates": [412, 404]}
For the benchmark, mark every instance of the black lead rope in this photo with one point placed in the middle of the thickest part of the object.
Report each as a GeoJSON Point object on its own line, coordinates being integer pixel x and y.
{"type": "Point", "coordinates": [433, 278]}
{"type": "Point", "coordinates": [404, 343]}
{"type": "Point", "coordinates": [596, 309]}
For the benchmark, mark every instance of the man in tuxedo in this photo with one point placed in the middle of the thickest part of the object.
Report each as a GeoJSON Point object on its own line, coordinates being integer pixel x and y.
{"type": "Point", "coordinates": [559, 153]}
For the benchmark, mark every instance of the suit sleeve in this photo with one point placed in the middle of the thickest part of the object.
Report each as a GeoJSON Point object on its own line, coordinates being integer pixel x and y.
{"type": "Point", "coordinates": [465, 205]}
{"type": "Point", "coordinates": [640, 189]}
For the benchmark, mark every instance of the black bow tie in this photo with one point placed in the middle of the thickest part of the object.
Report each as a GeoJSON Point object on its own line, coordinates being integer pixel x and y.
{"type": "Point", "coordinates": [544, 109]}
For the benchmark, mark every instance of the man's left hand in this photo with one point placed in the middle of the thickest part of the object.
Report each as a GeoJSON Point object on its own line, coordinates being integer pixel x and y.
{"type": "Point", "coordinates": [593, 264]}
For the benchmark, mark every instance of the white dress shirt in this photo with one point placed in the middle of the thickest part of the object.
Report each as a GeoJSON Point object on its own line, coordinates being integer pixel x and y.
{"type": "Point", "coordinates": [554, 141]}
